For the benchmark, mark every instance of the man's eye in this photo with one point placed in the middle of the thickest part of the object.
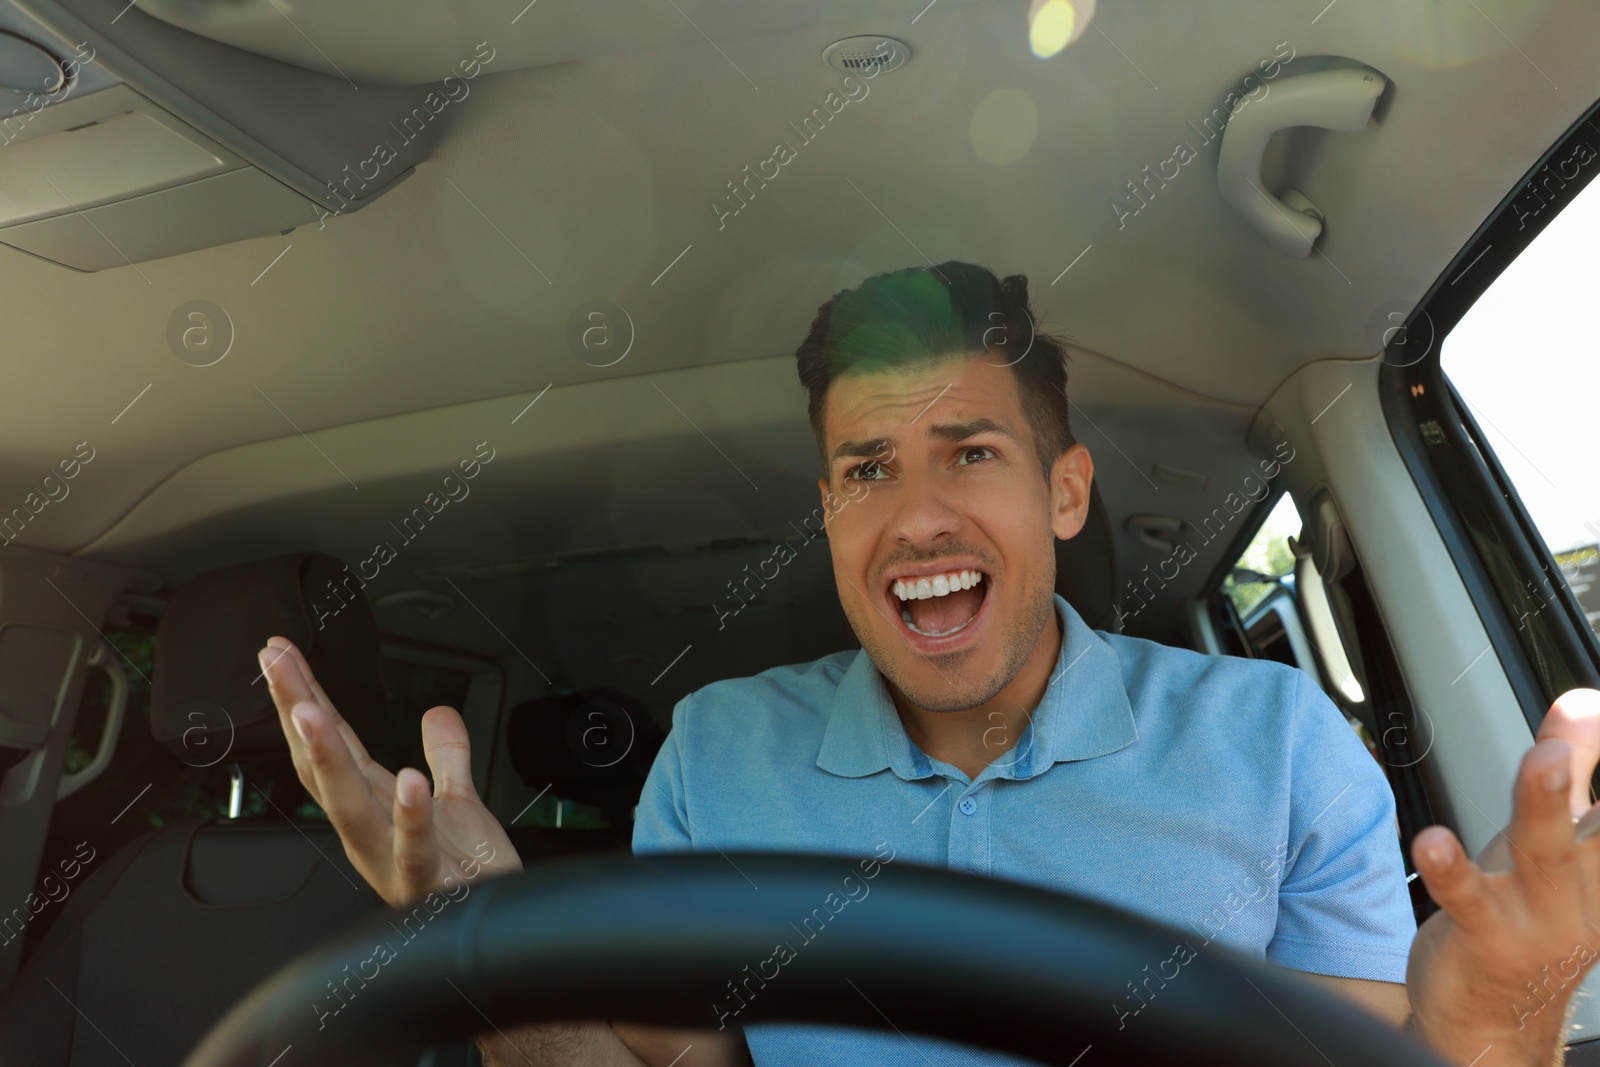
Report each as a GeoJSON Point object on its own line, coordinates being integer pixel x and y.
{"type": "Point", "coordinates": [870, 471]}
{"type": "Point", "coordinates": [975, 454]}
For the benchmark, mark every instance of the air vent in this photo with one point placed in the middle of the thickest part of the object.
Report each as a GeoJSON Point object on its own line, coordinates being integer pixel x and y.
{"type": "Point", "coordinates": [857, 55]}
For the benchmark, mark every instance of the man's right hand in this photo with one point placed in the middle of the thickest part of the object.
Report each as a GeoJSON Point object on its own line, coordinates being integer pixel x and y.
{"type": "Point", "coordinates": [403, 842]}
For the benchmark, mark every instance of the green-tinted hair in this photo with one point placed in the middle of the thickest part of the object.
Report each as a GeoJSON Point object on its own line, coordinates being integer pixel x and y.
{"type": "Point", "coordinates": [919, 316]}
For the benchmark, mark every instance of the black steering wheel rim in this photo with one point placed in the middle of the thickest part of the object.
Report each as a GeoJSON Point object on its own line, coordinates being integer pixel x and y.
{"type": "Point", "coordinates": [656, 939]}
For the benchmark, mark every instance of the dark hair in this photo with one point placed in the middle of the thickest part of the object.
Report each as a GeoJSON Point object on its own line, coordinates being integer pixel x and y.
{"type": "Point", "coordinates": [923, 315]}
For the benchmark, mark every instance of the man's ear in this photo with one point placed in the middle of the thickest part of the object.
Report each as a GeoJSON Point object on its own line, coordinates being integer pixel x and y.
{"type": "Point", "coordinates": [822, 488]}
{"type": "Point", "coordinates": [1070, 477]}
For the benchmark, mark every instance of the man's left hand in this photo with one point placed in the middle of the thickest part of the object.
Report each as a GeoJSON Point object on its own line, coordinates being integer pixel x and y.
{"type": "Point", "coordinates": [1492, 973]}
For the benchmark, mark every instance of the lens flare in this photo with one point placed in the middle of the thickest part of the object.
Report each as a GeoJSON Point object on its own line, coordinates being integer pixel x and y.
{"type": "Point", "coordinates": [1054, 24]}
{"type": "Point", "coordinates": [1004, 126]}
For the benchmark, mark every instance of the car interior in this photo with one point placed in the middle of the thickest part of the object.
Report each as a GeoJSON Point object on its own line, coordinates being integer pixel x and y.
{"type": "Point", "coordinates": [456, 342]}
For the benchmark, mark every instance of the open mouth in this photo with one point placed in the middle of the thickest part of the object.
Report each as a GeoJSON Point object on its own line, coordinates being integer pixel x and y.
{"type": "Point", "coordinates": [940, 605]}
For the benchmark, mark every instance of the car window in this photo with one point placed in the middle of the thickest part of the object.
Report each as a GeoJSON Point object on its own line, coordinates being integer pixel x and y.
{"type": "Point", "coordinates": [1525, 362]}
{"type": "Point", "coordinates": [1259, 571]}
{"type": "Point", "coordinates": [1256, 608]}
{"type": "Point", "coordinates": [1274, 605]}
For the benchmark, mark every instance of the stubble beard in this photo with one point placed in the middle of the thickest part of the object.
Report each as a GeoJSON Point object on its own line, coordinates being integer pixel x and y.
{"type": "Point", "coordinates": [949, 690]}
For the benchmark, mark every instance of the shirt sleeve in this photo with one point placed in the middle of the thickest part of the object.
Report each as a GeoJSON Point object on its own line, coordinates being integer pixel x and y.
{"type": "Point", "coordinates": [1343, 905]}
{"type": "Point", "coordinates": [662, 822]}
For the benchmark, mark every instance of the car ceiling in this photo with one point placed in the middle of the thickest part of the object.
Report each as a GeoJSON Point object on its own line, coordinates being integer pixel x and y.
{"type": "Point", "coordinates": [374, 351]}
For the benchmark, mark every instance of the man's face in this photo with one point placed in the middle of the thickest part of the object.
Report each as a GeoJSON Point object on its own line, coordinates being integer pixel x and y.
{"type": "Point", "coordinates": [942, 525]}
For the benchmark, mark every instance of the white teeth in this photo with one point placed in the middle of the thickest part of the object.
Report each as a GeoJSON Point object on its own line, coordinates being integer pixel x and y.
{"type": "Point", "coordinates": [938, 585]}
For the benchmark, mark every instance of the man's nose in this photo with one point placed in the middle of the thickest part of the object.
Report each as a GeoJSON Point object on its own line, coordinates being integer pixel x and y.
{"type": "Point", "coordinates": [925, 514]}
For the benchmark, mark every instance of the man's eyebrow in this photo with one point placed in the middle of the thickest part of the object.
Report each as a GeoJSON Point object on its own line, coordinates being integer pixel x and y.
{"type": "Point", "coordinates": [960, 431]}
{"type": "Point", "coordinates": [873, 449]}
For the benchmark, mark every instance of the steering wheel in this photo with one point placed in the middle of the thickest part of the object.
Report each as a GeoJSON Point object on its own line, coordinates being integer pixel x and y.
{"type": "Point", "coordinates": [657, 939]}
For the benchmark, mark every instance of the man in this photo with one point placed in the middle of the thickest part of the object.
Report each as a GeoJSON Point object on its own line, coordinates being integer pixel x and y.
{"type": "Point", "coordinates": [984, 726]}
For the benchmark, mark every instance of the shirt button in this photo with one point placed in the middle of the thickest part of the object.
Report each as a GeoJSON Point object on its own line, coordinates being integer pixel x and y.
{"type": "Point", "coordinates": [967, 805]}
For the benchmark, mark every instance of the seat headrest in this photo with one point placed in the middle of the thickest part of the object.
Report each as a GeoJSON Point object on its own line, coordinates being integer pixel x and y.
{"type": "Point", "coordinates": [1086, 568]}
{"type": "Point", "coordinates": [208, 702]}
{"type": "Point", "coordinates": [594, 747]}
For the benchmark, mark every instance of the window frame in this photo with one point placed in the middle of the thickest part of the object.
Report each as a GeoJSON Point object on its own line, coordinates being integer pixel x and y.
{"type": "Point", "coordinates": [1543, 641]}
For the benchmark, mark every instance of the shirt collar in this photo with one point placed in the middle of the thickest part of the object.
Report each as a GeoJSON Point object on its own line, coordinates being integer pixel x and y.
{"type": "Point", "coordinates": [1084, 713]}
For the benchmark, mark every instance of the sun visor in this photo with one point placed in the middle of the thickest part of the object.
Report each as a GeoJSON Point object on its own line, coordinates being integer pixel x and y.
{"type": "Point", "coordinates": [124, 139]}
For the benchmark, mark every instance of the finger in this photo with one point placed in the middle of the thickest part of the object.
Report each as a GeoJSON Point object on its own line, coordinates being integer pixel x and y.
{"type": "Point", "coordinates": [317, 694]}
{"type": "Point", "coordinates": [363, 823]}
{"type": "Point", "coordinates": [1454, 882]}
{"type": "Point", "coordinates": [1575, 719]}
{"type": "Point", "coordinates": [1543, 853]}
{"type": "Point", "coordinates": [290, 674]}
{"type": "Point", "coordinates": [449, 752]}
{"type": "Point", "coordinates": [416, 847]}
{"type": "Point", "coordinates": [283, 691]}
{"type": "Point", "coordinates": [284, 675]}
{"type": "Point", "coordinates": [375, 773]}
{"type": "Point", "coordinates": [276, 648]}
{"type": "Point", "coordinates": [291, 650]}
{"type": "Point", "coordinates": [1588, 846]}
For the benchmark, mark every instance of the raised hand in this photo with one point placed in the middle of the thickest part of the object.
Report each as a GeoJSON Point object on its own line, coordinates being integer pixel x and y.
{"type": "Point", "coordinates": [1491, 974]}
{"type": "Point", "coordinates": [405, 845]}
{"type": "Point", "coordinates": [403, 842]}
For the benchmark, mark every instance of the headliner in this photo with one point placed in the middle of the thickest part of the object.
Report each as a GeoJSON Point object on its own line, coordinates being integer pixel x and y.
{"type": "Point", "coordinates": [400, 335]}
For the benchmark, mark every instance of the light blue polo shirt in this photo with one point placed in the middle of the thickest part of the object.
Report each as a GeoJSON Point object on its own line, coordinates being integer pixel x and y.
{"type": "Point", "coordinates": [1225, 797]}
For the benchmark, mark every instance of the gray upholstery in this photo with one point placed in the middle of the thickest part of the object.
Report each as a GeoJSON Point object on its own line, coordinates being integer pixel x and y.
{"type": "Point", "coordinates": [207, 697]}
{"type": "Point", "coordinates": [180, 923]}
{"type": "Point", "coordinates": [177, 926]}
{"type": "Point", "coordinates": [1086, 567]}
